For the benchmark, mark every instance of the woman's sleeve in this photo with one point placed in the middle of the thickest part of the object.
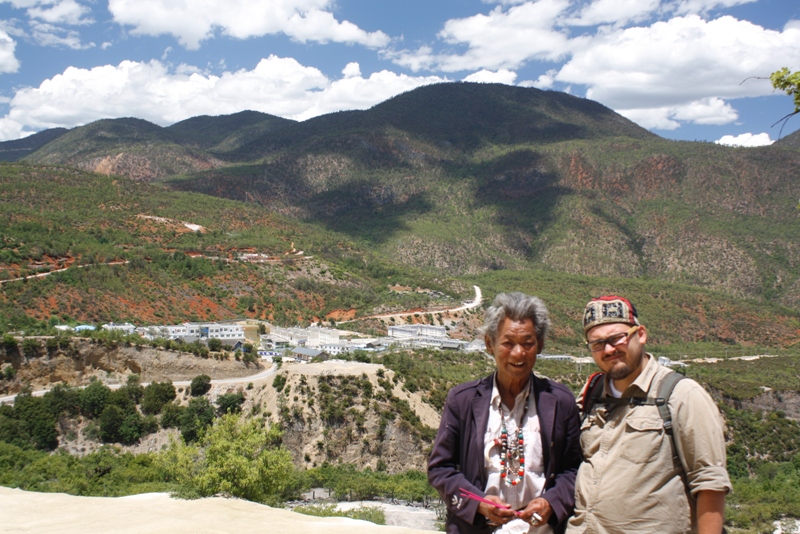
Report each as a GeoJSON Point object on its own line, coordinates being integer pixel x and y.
{"type": "Point", "coordinates": [443, 466]}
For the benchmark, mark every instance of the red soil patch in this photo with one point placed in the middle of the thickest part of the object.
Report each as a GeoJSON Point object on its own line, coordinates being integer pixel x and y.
{"type": "Point", "coordinates": [342, 315]}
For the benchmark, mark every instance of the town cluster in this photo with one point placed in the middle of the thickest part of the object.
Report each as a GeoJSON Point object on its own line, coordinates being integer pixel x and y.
{"type": "Point", "coordinates": [302, 344]}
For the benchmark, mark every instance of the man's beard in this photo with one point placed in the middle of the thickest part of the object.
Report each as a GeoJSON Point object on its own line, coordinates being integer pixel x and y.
{"type": "Point", "coordinates": [619, 371]}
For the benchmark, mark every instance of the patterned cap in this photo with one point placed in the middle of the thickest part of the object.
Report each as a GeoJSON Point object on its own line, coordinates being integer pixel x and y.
{"type": "Point", "coordinates": [608, 309]}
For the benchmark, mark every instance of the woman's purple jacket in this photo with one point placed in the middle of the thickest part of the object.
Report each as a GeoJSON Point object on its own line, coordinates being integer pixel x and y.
{"type": "Point", "coordinates": [457, 458]}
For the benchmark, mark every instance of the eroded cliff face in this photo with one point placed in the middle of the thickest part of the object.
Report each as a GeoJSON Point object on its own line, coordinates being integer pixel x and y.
{"type": "Point", "coordinates": [787, 402]}
{"type": "Point", "coordinates": [351, 413]}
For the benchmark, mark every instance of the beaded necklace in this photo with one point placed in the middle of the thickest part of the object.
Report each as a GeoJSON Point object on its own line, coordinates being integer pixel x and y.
{"type": "Point", "coordinates": [512, 454]}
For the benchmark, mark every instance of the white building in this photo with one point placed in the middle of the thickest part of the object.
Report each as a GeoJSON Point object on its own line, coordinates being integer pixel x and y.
{"type": "Point", "coordinates": [334, 349]}
{"type": "Point", "coordinates": [417, 330]}
{"type": "Point", "coordinates": [294, 336]}
{"type": "Point", "coordinates": [318, 336]}
{"type": "Point", "coordinates": [125, 328]}
{"type": "Point", "coordinates": [222, 331]}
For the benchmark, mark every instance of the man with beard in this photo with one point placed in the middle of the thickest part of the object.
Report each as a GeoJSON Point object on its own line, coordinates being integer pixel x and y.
{"type": "Point", "coordinates": [654, 459]}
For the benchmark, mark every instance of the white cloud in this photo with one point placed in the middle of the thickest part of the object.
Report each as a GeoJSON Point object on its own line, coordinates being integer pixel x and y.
{"type": "Point", "coordinates": [23, 4]}
{"type": "Point", "coordinates": [486, 76]}
{"type": "Point", "coordinates": [681, 69]}
{"type": "Point", "coordinates": [504, 2]}
{"type": "Point", "coordinates": [362, 93]}
{"type": "Point", "coordinates": [502, 39]}
{"type": "Point", "coordinates": [279, 86]}
{"type": "Point", "coordinates": [704, 111]}
{"type": "Point", "coordinates": [351, 69]}
{"type": "Point", "coordinates": [49, 35]}
{"type": "Point", "coordinates": [544, 81]}
{"type": "Point", "coordinates": [62, 12]}
{"type": "Point", "coordinates": [195, 21]}
{"type": "Point", "coordinates": [688, 7]}
{"type": "Point", "coordinates": [8, 61]}
{"type": "Point", "coordinates": [615, 12]}
{"type": "Point", "coordinates": [745, 139]}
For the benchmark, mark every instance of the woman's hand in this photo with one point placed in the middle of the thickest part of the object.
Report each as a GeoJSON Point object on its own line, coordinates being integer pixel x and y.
{"type": "Point", "coordinates": [539, 506]}
{"type": "Point", "coordinates": [498, 516]}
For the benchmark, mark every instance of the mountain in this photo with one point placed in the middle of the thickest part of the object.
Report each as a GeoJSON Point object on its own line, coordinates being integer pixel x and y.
{"type": "Point", "coordinates": [790, 141]}
{"type": "Point", "coordinates": [461, 179]}
{"type": "Point", "coordinates": [15, 150]}
{"type": "Point", "coordinates": [224, 133]}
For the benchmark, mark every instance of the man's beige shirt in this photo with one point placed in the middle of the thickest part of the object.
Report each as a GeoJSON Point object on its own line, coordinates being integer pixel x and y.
{"type": "Point", "coordinates": [632, 480]}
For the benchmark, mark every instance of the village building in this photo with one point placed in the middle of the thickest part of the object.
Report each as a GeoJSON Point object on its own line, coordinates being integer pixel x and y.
{"type": "Point", "coordinates": [304, 354]}
{"type": "Point", "coordinates": [417, 330]}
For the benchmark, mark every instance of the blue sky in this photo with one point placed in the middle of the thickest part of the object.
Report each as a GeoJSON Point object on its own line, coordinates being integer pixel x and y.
{"type": "Point", "coordinates": [685, 69]}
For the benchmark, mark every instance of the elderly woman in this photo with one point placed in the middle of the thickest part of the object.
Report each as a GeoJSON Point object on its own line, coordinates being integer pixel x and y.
{"type": "Point", "coordinates": [511, 439]}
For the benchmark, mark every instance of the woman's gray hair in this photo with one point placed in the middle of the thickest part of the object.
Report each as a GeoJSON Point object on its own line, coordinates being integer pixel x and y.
{"type": "Point", "coordinates": [517, 307]}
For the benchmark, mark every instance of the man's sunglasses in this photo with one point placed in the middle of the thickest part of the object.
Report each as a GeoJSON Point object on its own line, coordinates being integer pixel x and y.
{"type": "Point", "coordinates": [614, 341]}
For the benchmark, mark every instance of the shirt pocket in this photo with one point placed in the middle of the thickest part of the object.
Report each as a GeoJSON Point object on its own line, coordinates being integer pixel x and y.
{"type": "Point", "coordinates": [641, 441]}
{"type": "Point", "coordinates": [589, 435]}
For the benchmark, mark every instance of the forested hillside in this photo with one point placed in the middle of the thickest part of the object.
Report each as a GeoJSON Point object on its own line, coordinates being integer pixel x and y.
{"type": "Point", "coordinates": [468, 178]}
{"type": "Point", "coordinates": [118, 250]}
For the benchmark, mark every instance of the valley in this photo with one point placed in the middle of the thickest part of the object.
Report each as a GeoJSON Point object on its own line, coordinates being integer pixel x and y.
{"type": "Point", "coordinates": [368, 220]}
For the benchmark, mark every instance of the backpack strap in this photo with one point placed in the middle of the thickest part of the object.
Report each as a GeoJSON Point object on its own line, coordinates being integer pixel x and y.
{"type": "Point", "coordinates": [594, 389]}
{"type": "Point", "coordinates": [664, 392]}
{"type": "Point", "coordinates": [591, 392]}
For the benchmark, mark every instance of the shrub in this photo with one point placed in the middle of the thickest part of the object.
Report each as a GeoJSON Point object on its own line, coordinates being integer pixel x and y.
{"type": "Point", "coordinates": [230, 403]}
{"type": "Point", "coordinates": [200, 385]}
{"type": "Point", "coordinates": [198, 415]}
{"type": "Point", "coordinates": [63, 400]}
{"type": "Point", "coordinates": [36, 421]}
{"type": "Point", "coordinates": [93, 398]}
{"type": "Point", "coordinates": [156, 395]}
{"type": "Point", "coordinates": [30, 347]}
{"type": "Point", "coordinates": [171, 415]}
{"type": "Point", "coordinates": [366, 513]}
{"type": "Point", "coordinates": [110, 422]}
{"type": "Point", "coordinates": [235, 457]}
{"type": "Point", "coordinates": [10, 343]}
{"type": "Point", "coordinates": [278, 382]}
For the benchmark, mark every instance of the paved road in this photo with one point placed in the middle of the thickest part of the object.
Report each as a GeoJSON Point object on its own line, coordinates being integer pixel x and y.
{"type": "Point", "coordinates": [467, 306]}
{"type": "Point", "coordinates": [181, 383]}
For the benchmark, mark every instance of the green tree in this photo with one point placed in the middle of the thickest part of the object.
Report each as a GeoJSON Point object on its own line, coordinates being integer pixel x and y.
{"type": "Point", "coordinates": [198, 415]}
{"type": "Point", "coordinates": [214, 344]}
{"type": "Point", "coordinates": [171, 414]}
{"type": "Point", "coordinates": [200, 385]}
{"type": "Point", "coordinates": [63, 400]}
{"type": "Point", "coordinates": [93, 398]}
{"type": "Point", "coordinates": [788, 82]}
{"type": "Point", "coordinates": [230, 403]}
{"type": "Point", "coordinates": [236, 457]}
{"type": "Point", "coordinates": [110, 423]}
{"type": "Point", "coordinates": [156, 395]}
{"type": "Point", "coordinates": [36, 421]}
